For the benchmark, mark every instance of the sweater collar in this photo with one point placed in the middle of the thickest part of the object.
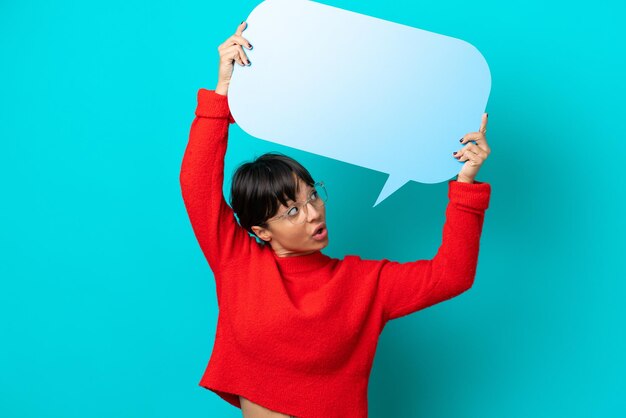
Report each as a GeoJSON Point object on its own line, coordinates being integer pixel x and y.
{"type": "Point", "coordinates": [301, 263]}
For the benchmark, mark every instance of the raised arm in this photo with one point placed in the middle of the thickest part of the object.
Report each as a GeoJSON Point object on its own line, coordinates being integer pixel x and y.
{"type": "Point", "coordinates": [408, 287]}
{"type": "Point", "coordinates": [220, 237]}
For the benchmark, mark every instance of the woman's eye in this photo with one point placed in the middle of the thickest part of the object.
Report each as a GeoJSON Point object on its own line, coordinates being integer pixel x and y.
{"type": "Point", "coordinates": [293, 211]}
{"type": "Point", "coordinates": [314, 195]}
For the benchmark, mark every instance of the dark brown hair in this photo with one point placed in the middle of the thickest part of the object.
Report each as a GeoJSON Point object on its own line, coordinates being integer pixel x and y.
{"type": "Point", "coordinates": [260, 186]}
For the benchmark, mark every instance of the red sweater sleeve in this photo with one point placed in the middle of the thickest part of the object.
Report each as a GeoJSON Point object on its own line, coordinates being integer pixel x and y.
{"type": "Point", "coordinates": [408, 287]}
{"type": "Point", "coordinates": [220, 237]}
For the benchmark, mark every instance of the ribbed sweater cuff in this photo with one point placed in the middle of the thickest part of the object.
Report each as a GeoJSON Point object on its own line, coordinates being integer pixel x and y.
{"type": "Point", "coordinates": [474, 195]}
{"type": "Point", "coordinates": [213, 105]}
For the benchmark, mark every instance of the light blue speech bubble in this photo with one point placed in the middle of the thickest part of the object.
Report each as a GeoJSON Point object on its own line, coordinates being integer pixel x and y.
{"type": "Point", "coordinates": [359, 89]}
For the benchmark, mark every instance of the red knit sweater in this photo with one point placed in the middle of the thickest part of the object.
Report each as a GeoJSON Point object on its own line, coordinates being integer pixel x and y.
{"type": "Point", "coordinates": [298, 334]}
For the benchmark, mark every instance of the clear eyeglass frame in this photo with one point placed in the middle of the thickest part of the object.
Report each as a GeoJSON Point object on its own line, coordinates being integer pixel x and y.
{"type": "Point", "coordinates": [322, 198]}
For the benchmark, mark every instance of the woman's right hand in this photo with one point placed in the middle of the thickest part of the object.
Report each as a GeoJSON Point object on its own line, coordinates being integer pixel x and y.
{"type": "Point", "coordinates": [230, 51]}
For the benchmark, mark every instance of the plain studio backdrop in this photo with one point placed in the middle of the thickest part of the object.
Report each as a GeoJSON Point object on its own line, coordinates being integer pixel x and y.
{"type": "Point", "coordinates": [108, 305]}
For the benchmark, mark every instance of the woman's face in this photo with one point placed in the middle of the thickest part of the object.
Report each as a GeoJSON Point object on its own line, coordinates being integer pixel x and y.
{"type": "Point", "coordinates": [289, 239]}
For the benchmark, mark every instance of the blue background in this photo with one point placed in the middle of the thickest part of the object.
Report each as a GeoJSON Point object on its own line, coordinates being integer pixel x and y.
{"type": "Point", "coordinates": [108, 305]}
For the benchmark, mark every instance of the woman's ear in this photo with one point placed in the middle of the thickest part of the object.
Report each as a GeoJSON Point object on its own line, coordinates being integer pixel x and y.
{"type": "Point", "coordinates": [262, 233]}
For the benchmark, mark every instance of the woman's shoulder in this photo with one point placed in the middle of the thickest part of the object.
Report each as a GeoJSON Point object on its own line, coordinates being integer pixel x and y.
{"type": "Point", "coordinates": [355, 261]}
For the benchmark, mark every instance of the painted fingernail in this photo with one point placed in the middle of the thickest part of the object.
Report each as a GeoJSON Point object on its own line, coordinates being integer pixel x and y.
{"type": "Point", "coordinates": [454, 153]}
{"type": "Point", "coordinates": [250, 46]}
{"type": "Point", "coordinates": [461, 140]}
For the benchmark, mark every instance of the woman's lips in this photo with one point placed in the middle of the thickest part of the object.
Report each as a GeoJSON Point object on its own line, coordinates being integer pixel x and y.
{"type": "Point", "coordinates": [321, 235]}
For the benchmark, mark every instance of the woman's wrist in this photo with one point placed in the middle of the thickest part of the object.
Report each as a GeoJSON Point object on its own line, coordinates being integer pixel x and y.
{"type": "Point", "coordinates": [464, 180]}
{"type": "Point", "coordinates": [222, 88]}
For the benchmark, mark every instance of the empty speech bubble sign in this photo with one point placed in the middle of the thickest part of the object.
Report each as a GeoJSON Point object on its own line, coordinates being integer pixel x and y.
{"type": "Point", "coordinates": [359, 89]}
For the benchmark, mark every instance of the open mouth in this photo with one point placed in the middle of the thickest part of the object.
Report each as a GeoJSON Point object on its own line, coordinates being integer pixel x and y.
{"type": "Point", "coordinates": [320, 232]}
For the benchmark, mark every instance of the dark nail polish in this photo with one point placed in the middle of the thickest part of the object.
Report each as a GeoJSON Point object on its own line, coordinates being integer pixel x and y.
{"type": "Point", "coordinates": [454, 153]}
{"type": "Point", "coordinates": [461, 140]}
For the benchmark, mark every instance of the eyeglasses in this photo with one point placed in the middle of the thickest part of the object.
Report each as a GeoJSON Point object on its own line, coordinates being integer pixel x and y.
{"type": "Point", "coordinates": [298, 213]}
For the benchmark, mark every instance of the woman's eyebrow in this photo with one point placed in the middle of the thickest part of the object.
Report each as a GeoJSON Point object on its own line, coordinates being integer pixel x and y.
{"type": "Point", "coordinates": [309, 191]}
{"type": "Point", "coordinates": [307, 194]}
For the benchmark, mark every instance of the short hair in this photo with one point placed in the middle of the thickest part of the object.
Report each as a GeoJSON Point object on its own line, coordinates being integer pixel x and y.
{"type": "Point", "coordinates": [259, 185]}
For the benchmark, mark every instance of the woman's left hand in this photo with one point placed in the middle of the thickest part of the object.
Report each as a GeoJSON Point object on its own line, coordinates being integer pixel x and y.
{"type": "Point", "coordinates": [474, 154]}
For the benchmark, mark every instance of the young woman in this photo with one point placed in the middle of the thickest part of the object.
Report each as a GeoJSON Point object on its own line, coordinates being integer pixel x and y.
{"type": "Point", "coordinates": [297, 330]}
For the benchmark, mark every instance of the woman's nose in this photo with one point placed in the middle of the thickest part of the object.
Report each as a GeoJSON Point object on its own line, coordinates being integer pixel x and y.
{"type": "Point", "coordinates": [312, 211]}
